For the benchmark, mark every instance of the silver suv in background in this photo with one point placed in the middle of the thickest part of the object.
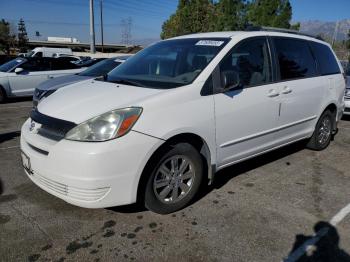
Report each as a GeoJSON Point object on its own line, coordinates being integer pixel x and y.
{"type": "Point", "coordinates": [19, 77]}
{"type": "Point", "coordinates": [99, 69]}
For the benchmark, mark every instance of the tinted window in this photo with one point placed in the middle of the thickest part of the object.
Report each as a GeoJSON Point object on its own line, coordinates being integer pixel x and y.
{"type": "Point", "coordinates": [101, 68]}
{"type": "Point", "coordinates": [295, 59]}
{"type": "Point", "coordinates": [251, 61]}
{"type": "Point", "coordinates": [326, 61]}
{"type": "Point", "coordinates": [62, 63]}
{"type": "Point", "coordinates": [33, 65]}
{"type": "Point", "coordinates": [169, 63]}
{"type": "Point", "coordinates": [39, 54]}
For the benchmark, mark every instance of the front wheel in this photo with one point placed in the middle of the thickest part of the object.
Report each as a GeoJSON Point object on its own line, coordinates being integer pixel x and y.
{"type": "Point", "coordinates": [175, 180]}
{"type": "Point", "coordinates": [323, 132]}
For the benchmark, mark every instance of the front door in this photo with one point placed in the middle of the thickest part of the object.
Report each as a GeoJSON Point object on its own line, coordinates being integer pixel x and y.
{"type": "Point", "coordinates": [246, 117]}
{"type": "Point", "coordinates": [34, 72]}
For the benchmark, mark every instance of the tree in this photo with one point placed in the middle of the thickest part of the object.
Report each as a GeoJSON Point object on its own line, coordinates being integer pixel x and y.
{"type": "Point", "coordinates": [7, 39]}
{"type": "Point", "coordinates": [229, 15]}
{"type": "Point", "coordinates": [191, 16]}
{"type": "Point", "coordinates": [22, 36]}
{"type": "Point", "coordinates": [274, 13]}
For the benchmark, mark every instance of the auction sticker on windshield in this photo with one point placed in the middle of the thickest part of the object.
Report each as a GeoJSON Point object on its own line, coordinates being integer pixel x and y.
{"type": "Point", "coordinates": [210, 43]}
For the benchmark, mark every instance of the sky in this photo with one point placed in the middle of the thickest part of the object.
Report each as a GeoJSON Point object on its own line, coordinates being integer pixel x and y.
{"type": "Point", "coordinates": [70, 18]}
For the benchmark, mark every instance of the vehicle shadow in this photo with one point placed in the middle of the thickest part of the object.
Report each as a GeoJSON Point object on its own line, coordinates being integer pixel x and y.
{"type": "Point", "coordinates": [323, 246]}
{"type": "Point", "coordinates": [8, 136]}
{"type": "Point", "coordinates": [225, 175]}
{"type": "Point", "coordinates": [13, 100]}
{"type": "Point", "coordinates": [1, 187]}
{"type": "Point", "coordinates": [128, 209]}
{"type": "Point", "coordinates": [346, 118]}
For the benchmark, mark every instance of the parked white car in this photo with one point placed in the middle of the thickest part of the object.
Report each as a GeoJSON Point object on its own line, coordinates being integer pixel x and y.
{"type": "Point", "coordinates": [20, 76]}
{"type": "Point", "coordinates": [170, 117]}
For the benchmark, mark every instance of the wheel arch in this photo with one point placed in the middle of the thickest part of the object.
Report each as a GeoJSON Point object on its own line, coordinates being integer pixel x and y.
{"type": "Point", "coordinates": [193, 139]}
{"type": "Point", "coordinates": [332, 107]}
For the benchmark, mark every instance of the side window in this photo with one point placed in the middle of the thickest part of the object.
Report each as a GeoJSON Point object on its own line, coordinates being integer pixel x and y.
{"type": "Point", "coordinates": [39, 54]}
{"type": "Point", "coordinates": [250, 61]}
{"type": "Point", "coordinates": [29, 66]}
{"type": "Point", "coordinates": [325, 59]}
{"type": "Point", "coordinates": [62, 63]}
{"type": "Point", "coordinates": [34, 65]}
{"type": "Point", "coordinates": [295, 58]}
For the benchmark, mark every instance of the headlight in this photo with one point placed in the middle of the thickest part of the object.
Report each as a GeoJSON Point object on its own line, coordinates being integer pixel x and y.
{"type": "Point", "coordinates": [107, 126]}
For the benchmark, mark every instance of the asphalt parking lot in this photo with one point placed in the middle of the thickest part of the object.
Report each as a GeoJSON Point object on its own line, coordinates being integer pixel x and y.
{"type": "Point", "coordinates": [259, 210]}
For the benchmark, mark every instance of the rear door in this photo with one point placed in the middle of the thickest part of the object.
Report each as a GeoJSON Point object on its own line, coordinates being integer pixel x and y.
{"type": "Point", "coordinates": [35, 71]}
{"type": "Point", "coordinates": [246, 118]}
{"type": "Point", "coordinates": [301, 89]}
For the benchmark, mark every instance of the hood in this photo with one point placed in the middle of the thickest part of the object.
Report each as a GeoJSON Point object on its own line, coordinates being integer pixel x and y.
{"type": "Point", "coordinates": [89, 99]}
{"type": "Point", "coordinates": [61, 81]}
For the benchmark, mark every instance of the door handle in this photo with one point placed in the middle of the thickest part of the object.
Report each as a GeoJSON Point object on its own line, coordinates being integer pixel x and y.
{"type": "Point", "coordinates": [50, 77]}
{"type": "Point", "coordinates": [286, 90]}
{"type": "Point", "coordinates": [273, 93]}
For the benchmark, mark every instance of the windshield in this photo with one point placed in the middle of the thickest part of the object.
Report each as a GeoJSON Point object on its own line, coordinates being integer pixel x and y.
{"type": "Point", "coordinates": [11, 64]}
{"type": "Point", "coordinates": [101, 68]}
{"type": "Point", "coordinates": [168, 64]}
{"type": "Point", "coordinates": [29, 54]}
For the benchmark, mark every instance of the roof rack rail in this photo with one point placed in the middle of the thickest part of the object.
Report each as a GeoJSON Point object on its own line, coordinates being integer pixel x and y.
{"type": "Point", "coordinates": [280, 30]}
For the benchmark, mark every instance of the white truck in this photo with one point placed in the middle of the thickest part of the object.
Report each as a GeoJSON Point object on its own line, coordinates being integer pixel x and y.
{"type": "Point", "coordinates": [48, 52]}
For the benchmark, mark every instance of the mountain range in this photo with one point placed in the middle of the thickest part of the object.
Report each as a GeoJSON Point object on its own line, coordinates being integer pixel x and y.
{"type": "Point", "coordinates": [326, 29]}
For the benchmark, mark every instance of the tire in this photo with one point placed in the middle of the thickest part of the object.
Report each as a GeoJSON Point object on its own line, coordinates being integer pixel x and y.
{"type": "Point", "coordinates": [175, 179]}
{"type": "Point", "coordinates": [2, 95]}
{"type": "Point", "coordinates": [323, 132]}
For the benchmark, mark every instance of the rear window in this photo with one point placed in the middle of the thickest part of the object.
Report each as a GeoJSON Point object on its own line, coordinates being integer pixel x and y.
{"type": "Point", "coordinates": [326, 61]}
{"type": "Point", "coordinates": [295, 59]}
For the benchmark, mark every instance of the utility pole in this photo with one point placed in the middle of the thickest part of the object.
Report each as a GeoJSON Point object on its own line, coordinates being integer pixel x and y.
{"type": "Point", "coordinates": [92, 28]}
{"type": "Point", "coordinates": [335, 33]}
{"type": "Point", "coordinates": [101, 17]}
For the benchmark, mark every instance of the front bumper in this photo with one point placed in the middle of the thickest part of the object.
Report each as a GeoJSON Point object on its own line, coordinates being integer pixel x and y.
{"type": "Point", "coordinates": [88, 174]}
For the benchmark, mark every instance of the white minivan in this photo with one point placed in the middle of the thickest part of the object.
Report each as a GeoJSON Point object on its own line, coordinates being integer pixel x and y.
{"type": "Point", "coordinates": [165, 121]}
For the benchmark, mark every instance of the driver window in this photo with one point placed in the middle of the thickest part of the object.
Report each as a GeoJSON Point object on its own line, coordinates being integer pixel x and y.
{"type": "Point", "coordinates": [39, 54]}
{"type": "Point", "coordinates": [250, 60]}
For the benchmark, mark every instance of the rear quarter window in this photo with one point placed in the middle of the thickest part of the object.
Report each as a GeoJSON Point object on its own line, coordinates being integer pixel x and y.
{"type": "Point", "coordinates": [294, 58]}
{"type": "Point", "coordinates": [327, 63]}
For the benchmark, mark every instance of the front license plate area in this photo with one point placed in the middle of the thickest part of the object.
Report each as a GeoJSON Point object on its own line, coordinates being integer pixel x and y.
{"type": "Point", "coordinates": [26, 163]}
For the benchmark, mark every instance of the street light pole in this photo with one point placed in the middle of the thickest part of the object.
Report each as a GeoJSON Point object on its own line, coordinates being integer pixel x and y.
{"type": "Point", "coordinates": [101, 17]}
{"type": "Point", "coordinates": [92, 28]}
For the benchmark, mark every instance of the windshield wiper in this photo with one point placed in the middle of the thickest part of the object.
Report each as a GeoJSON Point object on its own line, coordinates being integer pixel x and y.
{"type": "Point", "coordinates": [127, 82]}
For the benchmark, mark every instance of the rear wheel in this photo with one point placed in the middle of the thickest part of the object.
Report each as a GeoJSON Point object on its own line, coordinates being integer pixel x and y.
{"type": "Point", "coordinates": [323, 132]}
{"type": "Point", "coordinates": [175, 180]}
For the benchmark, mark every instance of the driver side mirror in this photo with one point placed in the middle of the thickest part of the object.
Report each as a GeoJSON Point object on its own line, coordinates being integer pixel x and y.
{"type": "Point", "coordinates": [19, 70]}
{"type": "Point", "coordinates": [230, 80]}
